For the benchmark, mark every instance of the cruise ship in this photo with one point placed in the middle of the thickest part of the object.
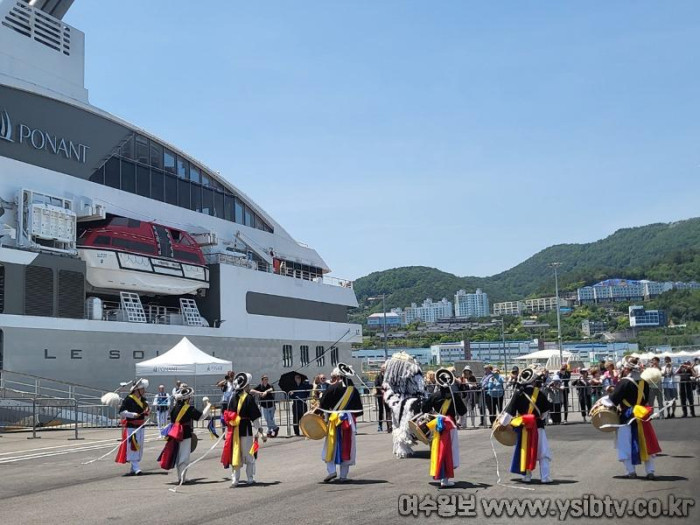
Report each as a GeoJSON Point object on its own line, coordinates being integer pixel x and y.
{"type": "Point", "coordinates": [115, 244]}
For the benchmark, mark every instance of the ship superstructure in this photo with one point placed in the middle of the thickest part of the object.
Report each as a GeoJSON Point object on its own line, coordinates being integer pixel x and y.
{"type": "Point", "coordinates": [114, 244]}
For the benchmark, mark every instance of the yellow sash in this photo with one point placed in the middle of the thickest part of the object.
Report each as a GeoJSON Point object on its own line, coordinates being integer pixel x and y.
{"type": "Point", "coordinates": [236, 457]}
{"type": "Point", "coordinates": [643, 453]}
{"type": "Point", "coordinates": [333, 422]}
{"type": "Point", "coordinates": [518, 421]}
{"type": "Point", "coordinates": [182, 412]}
{"type": "Point", "coordinates": [445, 407]}
{"type": "Point", "coordinates": [138, 402]}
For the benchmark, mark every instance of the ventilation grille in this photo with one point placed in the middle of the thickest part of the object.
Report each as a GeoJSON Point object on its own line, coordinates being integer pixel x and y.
{"type": "Point", "coordinates": [39, 26]}
{"type": "Point", "coordinates": [2, 289]}
{"type": "Point", "coordinates": [71, 294]}
{"type": "Point", "coordinates": [38, 291]}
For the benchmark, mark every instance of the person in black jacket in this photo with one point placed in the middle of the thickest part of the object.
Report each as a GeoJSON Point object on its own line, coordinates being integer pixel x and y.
{"type": "Point", "coordinates": [383, 412]}
{"type": "Point", "coordinates": [299, 394]}
{"type": "Point", "coordinates": [341, 405]}
{"type": "Point", "coordinates": [531, 405]}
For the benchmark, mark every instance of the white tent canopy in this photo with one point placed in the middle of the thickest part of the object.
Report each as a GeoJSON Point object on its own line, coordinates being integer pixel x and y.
{"type": "Point", "coordinates": [183, 359]}
{"type": "Point", "coordinates": [543, 355]}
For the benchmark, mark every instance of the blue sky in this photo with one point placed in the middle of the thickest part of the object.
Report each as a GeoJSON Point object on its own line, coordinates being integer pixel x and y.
{"type": "Point", "coordinates": [461, 135]}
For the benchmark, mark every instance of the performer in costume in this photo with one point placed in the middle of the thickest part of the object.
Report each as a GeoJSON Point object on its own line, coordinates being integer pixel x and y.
{"type": "Point", "coordinates": [241, 416]}
{"type": "Point", "coordinates": [176, 452]}
{"type": "Point", "coordinates": [444, 447]}
{"type": "Point", "coordinates": [636, 441]}
{"type": "Point", "coordinates": [134, 410]}
{"type": "Point", "coordinates": [403, 393]}
{"type": "Point", "coordinates": [531, 406]}
{"type": "Point", "coordinates": [162, 403]}
{"type": "Point", "coordinates": [341, 405]}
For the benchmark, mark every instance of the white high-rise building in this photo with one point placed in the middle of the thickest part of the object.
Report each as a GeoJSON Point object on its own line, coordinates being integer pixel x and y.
{"type": "Point", "coordinates": [471, 304]}
{"type": "Point", "coordinates": [429, 312]}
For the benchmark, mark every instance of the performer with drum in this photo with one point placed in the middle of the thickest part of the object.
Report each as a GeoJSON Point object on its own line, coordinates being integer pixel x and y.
{"type": "Point", "coordinates": [342, 405]}
{"type": "Point", "coordinates": [636, 441]}
{"type": "Point", "coordinates": [531, 406]}
{"type": "Point", "coordinates": [241, 416]}
{"type": "Point", "coordinates": [181, 438]}
{"type": "Point", "coordinates": [444, 443]}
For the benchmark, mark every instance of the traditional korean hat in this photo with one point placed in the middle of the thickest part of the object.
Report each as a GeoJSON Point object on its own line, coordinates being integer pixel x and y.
{"type": "Point", "coordinates": [139, 383]}
{"type": "Point", "coordinates": [242, 380]}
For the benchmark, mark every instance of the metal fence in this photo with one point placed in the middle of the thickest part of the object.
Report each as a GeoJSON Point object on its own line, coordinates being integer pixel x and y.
{"type": "Point", "coordinates": [39, 412]}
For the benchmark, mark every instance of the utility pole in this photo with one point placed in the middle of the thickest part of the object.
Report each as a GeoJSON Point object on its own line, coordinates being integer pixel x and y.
{"type": "Point", "coordinates": [375, 298]}
{"type": "Point", "coordinates": [556, 266]}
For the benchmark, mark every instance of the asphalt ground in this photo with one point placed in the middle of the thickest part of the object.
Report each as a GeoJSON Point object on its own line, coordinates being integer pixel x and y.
{"type": "Point", "coordinates": [45, 480]}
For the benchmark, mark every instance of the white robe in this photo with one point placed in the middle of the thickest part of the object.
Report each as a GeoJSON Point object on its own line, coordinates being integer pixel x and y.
{"type": "Point", "coordinates": [135, 455]}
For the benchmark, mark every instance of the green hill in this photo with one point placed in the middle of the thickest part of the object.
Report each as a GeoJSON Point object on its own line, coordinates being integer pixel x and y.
{"type": "Point", "coordinates": [657, 252]}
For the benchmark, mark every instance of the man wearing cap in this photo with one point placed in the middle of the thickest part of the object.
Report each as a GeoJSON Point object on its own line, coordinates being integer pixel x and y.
{"type": "Point", "coordinates": [636, 441]}
{"type": "Point", "coordinates": [134, 410]}
{"type": "Point", "coordinates": [341, 404]}
{"type": "Point", "coordinates": [241, 417]}
{"type": "Point", "coordinates": [299, 394]}
{"type": "Point", "coordinates": [267, 402]}
{"type": "Point", "coordinates": [468, 388]}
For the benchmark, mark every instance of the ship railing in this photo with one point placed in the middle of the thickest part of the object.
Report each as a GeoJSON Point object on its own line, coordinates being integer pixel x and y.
{"type": "Point", "coordinates": [155, 313]}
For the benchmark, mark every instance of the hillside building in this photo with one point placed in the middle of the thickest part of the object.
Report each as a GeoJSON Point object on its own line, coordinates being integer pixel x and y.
{"type": "Point", "coordinates": [471, 304]}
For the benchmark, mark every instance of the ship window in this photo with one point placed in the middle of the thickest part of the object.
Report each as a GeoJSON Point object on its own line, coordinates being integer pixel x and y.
{"type": "Point", "coordinates": [128, 177]}
{"type": "Point", "coordinates": [287, 358]}
{"type": "Point", "coordinates": [205, 179]}
{"type": "Point", "coordinates": [157, 185]}
{"type": "Point", "coordinates": [133, 246]}
{"type": "Point", "coordinates": [170, 189]}
{"type": "Point", "coordinates": [187, 256]}
{"type": "Point", "coordinates": [156, 155]}
{"type": "Point", "coordinates": [320, 356]}
{"type": "Point", "coordinates": [207, 201]}
{"type": "Point", "coordinates": [239, 211]}
{"type": "Point", "coordinates": [195, 174]}
{"type": "Point", "coordinates": [128, 148]}
{"type": "Point", "coordinates": [143, 181]}
{"type": "Point", "coordinates": [218, 204]}
{"type": "Point", "coordinates": [168, 161]}
{"type": "Point", "coordinates": [102, 240]}
{"type": "Point", "coordinates": [334, 356]}
{"type": "Point", "coordinates": [2, 291]}
{"type": "Point", "coordinates": [112, 173]}
{"type": "Point", "coordinates": [183, 193]}
{"type": "Point", "coordinates": [183, 168]}
{"type": "Point", "coordinates": [304, 355]}
{"type": "Point", "coordinates": [228, 206]}
{"type": "Point", "coordinates": [259, 224]}
{"type": "Point", "coordinates": [196, 197]}
{"type": "Point", "coordinates": [142, 149]}
{"type": "Point", "coordinates": [248, 217]}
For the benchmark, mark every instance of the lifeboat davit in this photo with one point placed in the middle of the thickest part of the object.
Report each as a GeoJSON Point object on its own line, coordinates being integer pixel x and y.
{"type": "Point", "coordinates": [145, 257]}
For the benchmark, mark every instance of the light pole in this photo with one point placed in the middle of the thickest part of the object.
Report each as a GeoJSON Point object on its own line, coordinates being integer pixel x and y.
{"type": "Point", "coordinates": [503, 340]}
{"type": "Point", "coordinates": [556, 266]}
{"type": "Point", "coordinates": [383, 296]}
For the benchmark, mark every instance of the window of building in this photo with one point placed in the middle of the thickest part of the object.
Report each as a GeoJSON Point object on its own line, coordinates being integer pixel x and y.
{"type": "Point", "coordinates": [320, 356]}
{"type": "Point", "coordinates": [183, 168]}
{"type": "Point", "coordinates": [195, 174]}
{"type": "Point", "coordinates": [219, 204]}
{"type": "Point", "coordinates": [287, 358]}
{"type": "Point", "coordinates": [238, 211]}
{"type": "Point", "coordinates": [157, 185]}
{"type": "Point", "coordinates": [156, 155]}
{"type": "Point", "coordinates": [196, 197]}
{"type": "Point", "coordinates": [304, 355]}
{"type": "Point", "coordinates": [228, 206]}
{"type": "Point", "coordinates": [168, 161]}
{"type": "Point", "coordinates": [143, 181]}
{"type": "Point", "coordinates": [183, 193]}
{"type": "Point", "coordinates": [98, 176]}
{"type": "Point", "coordinates": [171, 189]}
{"type": "Point", "coordinates": [112, 173]}
{"type": "Point", "coordinates": [127, 149]}
{"type": "Point", "coordinates": [128, 176]}
{"type": "Point", "coordinates": [142, 154]}
{"type": "Point", "coordinates": [334, 356]}
{"type": "Point", "coordinates": [208, 201]}
{"type": "Point", "coordinates": [248, 217]}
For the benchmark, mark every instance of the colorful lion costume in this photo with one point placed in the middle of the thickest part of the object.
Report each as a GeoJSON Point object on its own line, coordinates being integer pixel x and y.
{"type": "Point", "coordinates": [403, 392]}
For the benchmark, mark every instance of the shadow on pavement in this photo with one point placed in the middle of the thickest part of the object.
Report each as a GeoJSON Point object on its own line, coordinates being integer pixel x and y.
{"type": "Point", "coordinates": [356, 482]}
{"type": "Point", "coordinates": [461, 485]}
{"type": "Point", "coordinates": [538, 482]}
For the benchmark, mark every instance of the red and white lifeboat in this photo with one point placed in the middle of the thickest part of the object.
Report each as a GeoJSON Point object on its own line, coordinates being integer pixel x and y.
{"type": "Point", "coordinates": [131, 255]}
